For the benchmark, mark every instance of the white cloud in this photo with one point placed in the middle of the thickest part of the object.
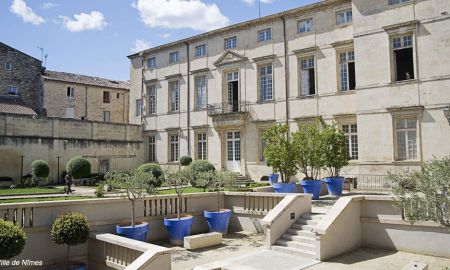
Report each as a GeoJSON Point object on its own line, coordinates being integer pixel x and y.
{"type": "Point", "coordinates": [20, 8]}
{"type": "Point", "coordinates": [49, 5]}
{"type": "Point", "coordinates": [83, 21]}
{"type": "Point", "coordinates": [177, 14]}
{"type": "Point", "coordinates": [164, 35]}
{"type": "Point", "coordinates": [252, 2]}
{"type": "Point", "coordinates": [140, 45]}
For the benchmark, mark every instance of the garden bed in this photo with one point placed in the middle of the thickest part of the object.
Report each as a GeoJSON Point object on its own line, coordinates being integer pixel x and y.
{"type": "Point", "coordinates": [30, 191]}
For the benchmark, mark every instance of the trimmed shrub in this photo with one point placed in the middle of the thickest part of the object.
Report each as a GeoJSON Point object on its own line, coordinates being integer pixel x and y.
{"type": "Point", "coordinates": [40, 168]}
{"type": "Point", "coordinates": [12, 240]}
{"type": "Point", "coordinates": [100, 190]}
{"type": "Point", "coordinates": [185, 160]}
{"type": "Point", "coordinates": [156, 171]}
{"type": "Point", "coordinates": [79, 167]}
{"type": "Point", "coordinates": [197, 167]}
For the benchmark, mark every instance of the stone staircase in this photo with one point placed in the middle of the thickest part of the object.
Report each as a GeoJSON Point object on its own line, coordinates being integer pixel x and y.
{"type": "Point", "coordinates": [242, 180]}
{"type": "Point", "coordinates": [299, 239]}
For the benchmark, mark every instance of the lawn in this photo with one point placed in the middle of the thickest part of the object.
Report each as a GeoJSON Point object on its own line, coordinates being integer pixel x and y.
{"type": "Point", "coordinates": [186, 190]}
{"type": "Point", "coordinates": [45, 199]}
{"type": "Point", "coordinates": [34, 190]}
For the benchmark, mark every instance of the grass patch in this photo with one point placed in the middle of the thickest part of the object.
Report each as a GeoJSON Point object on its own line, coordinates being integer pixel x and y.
{"type": "Point", "coordinates": [186, 190]}
{"type": "Point", "coordinates": [33, 190]}
{"type": "Point", "coordinates": [67, 198]}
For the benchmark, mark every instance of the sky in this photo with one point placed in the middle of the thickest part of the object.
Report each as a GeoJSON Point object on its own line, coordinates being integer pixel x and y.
{"type": "Point", "coordinates": [93, 37]}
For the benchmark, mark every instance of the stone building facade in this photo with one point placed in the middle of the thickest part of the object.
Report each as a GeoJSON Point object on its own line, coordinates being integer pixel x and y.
{"type": "Point", "coordinates": [378, 69]}
{"type": "Point", "coordinates": [20, 78]}
{"type": "Point", "coordinates": [81, 97]}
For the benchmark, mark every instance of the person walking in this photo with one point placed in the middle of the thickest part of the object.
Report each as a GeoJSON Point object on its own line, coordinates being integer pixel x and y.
{"type": "Point", "coordinates": [69, 181]}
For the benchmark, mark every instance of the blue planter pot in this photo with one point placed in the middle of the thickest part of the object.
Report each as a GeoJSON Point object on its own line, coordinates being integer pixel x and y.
{"type": "Point", "coordinates": [312, 187]}
{"type": "Point", "coordinates": [334, 185]}
{"type": "Point", "coordinates": [284, 187]}
{"type": "Point", "coordinates": [138, 232]}
{"type": "Point", "coordinates": [178, 229]}
{"type": "Point", "coordinates": [273, 178]}
{"type": "Point", "coordinates": [69, 266]}
{"type": "Point", "coordinates": [218, 221]}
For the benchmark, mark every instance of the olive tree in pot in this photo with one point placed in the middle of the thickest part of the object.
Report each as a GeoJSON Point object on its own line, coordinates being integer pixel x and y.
{"type": "Point", "coordinates": [309, 149]}
{"type": "Point", "coordinates": [134, 184]}
{"type": "Point", "coordinates": [178, 226]}
{"type": "Point", "coordinates": [70, 229]}
{"type": "Point", "coordinates": [12, 240]}
{"type": "Point", "coordinates": [40, 171]}
{"type": "Point", "coordinates": [280, 155]}
{"type": "Point", "coordinates": [335, 157]}
{"type": "Point", "coordinates": [217, 181]}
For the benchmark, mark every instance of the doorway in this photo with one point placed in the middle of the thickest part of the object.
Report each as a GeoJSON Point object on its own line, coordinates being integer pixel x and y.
{"type": "Point", "coordinates": [234, 151]}
{"type": "Point", "coordinates": [233, 91]}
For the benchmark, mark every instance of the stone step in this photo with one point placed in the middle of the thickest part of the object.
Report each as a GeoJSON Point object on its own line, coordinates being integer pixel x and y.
{"type": "Point", "coordinates": [297, 245]}
{"type": "Point", "coordinates": [312, 222]}
{"type": "Point", "coordinates": [304, 233]}
{"type": "Point", "coordinates": [297, 226]}
{"type": "Point", "coordinates": [298, 238]}
{"type": "Point", "coordinates": [312, 216]}
{"type": "Point", "coordinates": [294, 251]}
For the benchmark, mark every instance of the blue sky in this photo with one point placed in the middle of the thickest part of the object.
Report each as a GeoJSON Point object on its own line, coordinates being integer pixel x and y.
{"type": "Point", "coordinates": [93, 37]}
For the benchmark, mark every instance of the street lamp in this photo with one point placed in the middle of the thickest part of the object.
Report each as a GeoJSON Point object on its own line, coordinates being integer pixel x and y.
{"type": "Point", "coordinates": [447, 113]}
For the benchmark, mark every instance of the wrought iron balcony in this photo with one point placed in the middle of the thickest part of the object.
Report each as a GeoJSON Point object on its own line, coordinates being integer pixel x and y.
{"type": "Point", "coordinates": [227, 108]}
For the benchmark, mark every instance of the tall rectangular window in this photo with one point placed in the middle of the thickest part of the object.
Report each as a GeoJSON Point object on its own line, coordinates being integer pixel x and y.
{"type": "Point", "coordinates": [174, 148]}
{"type": "Point", "coordinates": [151, 99]}
{"type": "Point", "coordinates": [106, 97]}
{"type": "Point", "coordinates": [395, 2]}
{"type": "Point", "coordinates": [347, 70]}
{"type": "Point", "coordinates": [344, 17]}
{"type": "Point", "coordinates": [13, 90]}
{"type": "Point", "coordinates": [307, 77]}
{"type": "Point", "coordinates": [8, 66]}
{"type": "Point", "coordinates": [200, 50]}
{"type": "Point", "coordinates": [138, 107]}
{"type": "Point", "coordinates": [106, 116]}
{"type": "Point", "coordinates": [403, 57]}
{"type": "Point", "coordinates": [174, 96]}
{"type": "Point", "coordinates": [173, 57]}
{"type": "Point", "coordinates": [406, 138]}
{"type": "Point", "coordinates": [230, 43]}
{"type": "Point", "coordinates": [70, 92]}
{"type": "Point", "coordinates": [351, 139]}
{"type": "Point", "coordinates": [200, 92]}
{"type": "Point", "coordinates": [266, 82]}
{"type": "Point", "coordinates": [202, 147]}
{"type": "Point", "coordinates": [305, 26]}
{"type": "Point", "coordinates": [264, 35]}
{"type": "Point", "coordinates": [152, 148]}
{"type": "Point", "coordinates": [151, 63]}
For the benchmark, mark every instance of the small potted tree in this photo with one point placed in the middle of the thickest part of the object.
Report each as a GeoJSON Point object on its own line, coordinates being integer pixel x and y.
{"type": "Point", "coordinates": [309, 148]}
{"type": "Point", "coordinates": [217, 181]}
{"type": "Point", "coordinates": [40, 171]}
{"type": "Point", "coordinates": [134, 183]}
{"type": "Point", "coordinates": [280, 155]}
{"type": "Point", "coordinates": [335, 157]}
{"type": "Point", "coordinates": [178, 226]}
{"type": "Point", "coordinates": [12, 240]}
{"type": "Point", "coordinates": [70, 229]}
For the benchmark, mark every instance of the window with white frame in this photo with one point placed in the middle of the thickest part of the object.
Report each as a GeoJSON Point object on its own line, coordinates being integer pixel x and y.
{"type": "Point", "coordinates": [70, 92]}
{"type": "Point", "coordinates": [200, 50]}
{"type": "Point", "coordinates": [307, 77]}
{"type": "Point", "coordinates": [152, 148]}
{"type": "Point", "coordinates": [230, 43]}
{"type": "Point", "coordinates": [403, 57]}
{"type": "Point", "coordinates": [305, 26]}
{"type": "Point", "coordinates": [202, 145]}
{"type": "Point", "coordinates": [138, 111]}
{"type": "Point", "coordinates": [343, 17]}
{"type": "Point", "coordinates": [174, 96]}
{"type": "Point", "coordinates": [106, 116]}
{"type": "Point", "coordinates": [174, 149]}
{"type": "Point", "coordinates": [351, 139]}
{"type": "Point", "coordinates": [200, 92]}
{"type": "Point", "coordinates": [13, 90]}
{"type": "Point", "coordinates": [406, 138]}
{"type": "Point", "coordinates": [396, 2]}
{"type": "Point", "coordinates": [264, 35]}
{"type": "Point", "coordinates": [151, 99]}
{"type": "Point", "coordinates": [266, 82]}
{"type": "Point", "coordinates": [173, 57]}
{"type": "Point", "coordinates": [347, 70]}
{"type": "Point", "coordinates": [151, 63]}
{"type": "Point", "coordinates": [8, 66]}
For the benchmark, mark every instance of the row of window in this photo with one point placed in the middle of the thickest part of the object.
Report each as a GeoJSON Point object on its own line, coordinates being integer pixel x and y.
{"type": "Point", "coordinates": [174, 147]}
{"type": "Point", "coordinates": [70, 93]}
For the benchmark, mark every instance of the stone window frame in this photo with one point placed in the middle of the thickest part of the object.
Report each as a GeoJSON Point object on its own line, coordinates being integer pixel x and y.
{"type": "Point", "coordinates": [197, 142]}
{"type": "Point", "coordinates": [149, 61]}
{"type": "Point", "coordinates": [13, 93]}
{"type": "Point", "coordinates": [152, 145]}
{"type": "Point", "coordinates": [225, 41]}
{"type": "Point", "coordinates": [171, 143]}
{"type": "Point", "coordinates": [341, 11]}
{"type": "Point", "coordinates": [106, 119]}
{"type": "Point", "coordinates": [349, 120]}
{"type": "Point", "coordinates": [149, 107]}
{"type": "Point", "coordinates": [196, 100]}
{"type": "Point", "coordinates": [8, 66]}
{"type": "Point", "coordinates": [304, 54]}
{"type": "Point", "coordinates": [177, 101]}
{"type": "Point", "coordinates": [71, 92]}
{"type": "Point", "coordinates": [138, 107]}
{"type": "Point", "coordinates": [306, 19]}
{"type": "Point", "coordinates": [347, 52]}
{"type": "Point", "coordinates": [258, 72]}
{"type": "Point", "coordinates": [204, 51]}
{"type": "Point", "coordinates": [174, 57]}
{"type": "Point", "coordinates": [106, 97]}
{"type": "Point", "coordinates": [263, 33]}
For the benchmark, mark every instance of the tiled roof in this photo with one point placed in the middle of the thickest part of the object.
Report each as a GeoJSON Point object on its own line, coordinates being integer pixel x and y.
{"type": "Point", "coordinates": [15, 106]}
{"type": "Point", "coordinates": [83, 79]}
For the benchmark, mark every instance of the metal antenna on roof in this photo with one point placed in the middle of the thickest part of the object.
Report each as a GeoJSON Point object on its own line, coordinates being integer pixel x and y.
{"type": "Point", "coordinates": [42, 53]}
{"type": "Point", "coordinates": [45, 59]}
{"type": "Point", "coordinates": [259, 8]}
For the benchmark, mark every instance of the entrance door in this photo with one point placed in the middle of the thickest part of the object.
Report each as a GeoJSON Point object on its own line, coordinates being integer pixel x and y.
{"type": "Point", "coordinates": [234, 151]}
{"type": "Point", "coordinates": [233, 91]}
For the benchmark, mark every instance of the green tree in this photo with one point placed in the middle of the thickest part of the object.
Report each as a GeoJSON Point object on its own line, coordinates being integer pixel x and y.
{"type": "Point", "coordinates": [216, 181]}
{"type": "Point", "coordinates": [280, 153]}
{"type": "Point", "coordinates": [185, 160]}
{"type": "Point", "coordinates": [178, 180]}
{"type": "Point", "coordinates": [40, 168]}
{"type": "Point", "coordinates": [79, 167]}
{"type": "Point", "coordinates": [12, 240]}
{"type": "Point", "coordinates": [156, 171]}
{"type": "Point", "coordinates": [197, 167]}
{"type": "Point", "coordinates": [335, 154]}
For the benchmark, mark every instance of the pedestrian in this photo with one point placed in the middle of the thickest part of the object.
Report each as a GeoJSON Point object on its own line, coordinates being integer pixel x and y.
{"type": "Point", "coordinates": [69, 181]}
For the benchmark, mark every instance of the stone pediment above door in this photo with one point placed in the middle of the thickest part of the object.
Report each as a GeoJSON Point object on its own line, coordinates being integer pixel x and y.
{"type": "Point", "coordinates": [229, 57]}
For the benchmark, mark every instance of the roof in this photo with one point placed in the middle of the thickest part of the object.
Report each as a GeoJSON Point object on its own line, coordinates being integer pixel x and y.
{"type": "Point", "coordinates": [14, 49]}
{"type": "Point", "coordinates": [15, 106]}
{"type": "Point", "coordinates": [291, 12]}
{"type": "Point", "coordinates": [83, 79]}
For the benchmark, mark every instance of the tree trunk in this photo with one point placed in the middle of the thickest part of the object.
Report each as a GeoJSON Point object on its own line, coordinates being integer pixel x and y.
{"type": "Point", "coordinates": [218, 200]}
{"type": "Point", "coordinates": [133, 223]}
{"type": "Point", "coordinates": [179, 207]}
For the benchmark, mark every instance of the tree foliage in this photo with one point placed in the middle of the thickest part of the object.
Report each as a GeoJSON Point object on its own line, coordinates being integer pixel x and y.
{"type": "Point", "coordinates": [156, 171]}
{"type": "Point", "coordinates": [197, 167]}
{"type": "Point", "coordinates": [12, 240]}
{"type": "Point", "coordinates": [178, 180]}
{"type": "Point", "coordinates": [79, 167]}
{"type": "Point", "coordinates": [216, 181]}
{"type": "Point", "coordinates": [40, 168]}
{"type": "Point", "coordinates": [185, 160]}
{"type": "Point", "coordinates": [335, 154]}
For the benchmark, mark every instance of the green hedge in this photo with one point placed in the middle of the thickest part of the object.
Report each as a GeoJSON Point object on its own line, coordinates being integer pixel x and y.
{"type": "Point", "coordinates": [185, 160]}
{"type": "Point", "coordinates": [79, 167]}
{"type": "Point", "coordinates": [199, 166]}
{"type": "Point", "coordinates": [12, 240]}
{"type": "Point", "coordinates": [154, 169]}
{"type": "Point", "coordinates": [40, 168]}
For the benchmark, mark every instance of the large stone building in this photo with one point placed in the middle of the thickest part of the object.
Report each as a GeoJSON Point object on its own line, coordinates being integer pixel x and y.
{"type": "Point", "coordinates": [20, 80]}
{"type": "Point", "coordinates": [379, 69]}
{"type": "Point", "coordinates": [68, 95]}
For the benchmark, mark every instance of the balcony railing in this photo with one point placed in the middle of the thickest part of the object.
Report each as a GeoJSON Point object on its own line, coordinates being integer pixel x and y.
{"type": "Point", "coordinates": [227, 107]}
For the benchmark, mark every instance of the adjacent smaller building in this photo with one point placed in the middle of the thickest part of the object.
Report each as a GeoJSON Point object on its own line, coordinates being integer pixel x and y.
{"type": "Point", "coordinates": [74, 96]}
